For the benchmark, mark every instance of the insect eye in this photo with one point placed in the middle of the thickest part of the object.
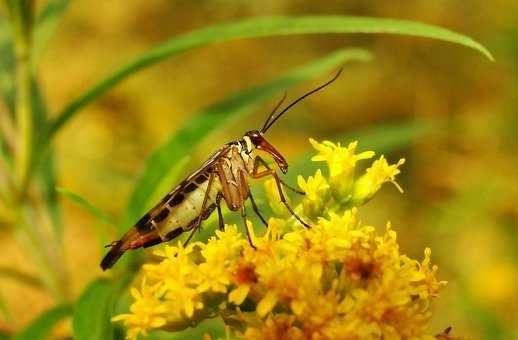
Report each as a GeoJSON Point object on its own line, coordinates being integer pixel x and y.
{"type": "Point", "coordinates": [255, 137]}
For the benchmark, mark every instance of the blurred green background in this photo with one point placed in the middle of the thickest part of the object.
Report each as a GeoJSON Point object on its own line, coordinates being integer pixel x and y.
{"type": "Point", "coordinates": [449, 111]}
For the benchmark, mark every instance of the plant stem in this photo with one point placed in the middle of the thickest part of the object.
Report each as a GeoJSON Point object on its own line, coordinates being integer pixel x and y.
{"type": "Point", "coordinates": [28, 231]}
{"type": "Point", "coordinates": [22, 17]}
{"type": "Point", "coordinates": [52, 273]}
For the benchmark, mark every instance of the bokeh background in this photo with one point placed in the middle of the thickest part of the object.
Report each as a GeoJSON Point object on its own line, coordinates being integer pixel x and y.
{"type": "Point", "coordinates": [452, 113]}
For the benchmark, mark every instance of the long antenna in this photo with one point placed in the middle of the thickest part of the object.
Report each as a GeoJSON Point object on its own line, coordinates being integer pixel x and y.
{"type": "Point", "coordinates": [269, 123]}
{"type": "Point", "coordinates": [274, 110]}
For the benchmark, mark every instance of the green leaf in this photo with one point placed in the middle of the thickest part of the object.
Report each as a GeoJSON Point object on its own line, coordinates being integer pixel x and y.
{"type": "Point", "coordinates": [92, 312]}
{"type": "Point", "coordinates": [261, 27]}
{"type": "Point", "coordinates": [216, 117]}
{"type": "Point", "coordinates": [43, 325]}
{"type": "Point", "coordinates": [92, 209]}
{"type": "Point", "coordinates": [47, 178]}
{"type": "Point", "coordinates": [6, 65]}
{"type": "Point", "coordinates": [45, 171]}
{"type": "Point", "coordinates": [46, 24]}
{"type": "Point", "coordinates": [213, 327]}
{"type": "Point", "coordinates": [95, 211]}
{"type": "Point", "coordinates": [5, 156]}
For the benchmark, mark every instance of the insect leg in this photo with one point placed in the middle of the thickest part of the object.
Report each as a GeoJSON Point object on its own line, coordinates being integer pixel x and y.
{"type": "Point", "coordinates": [220, 215]}
{"type": "Point", "coordinates": [259, 161]}
{"type": "Point", "coordinates": [271, 172]}
{"type": "Point", "coordinates": [241, 188]}
{"type": "Point", "coordinates": [256, 210]}
{"type": "Point", "coordinates": [203, 207]}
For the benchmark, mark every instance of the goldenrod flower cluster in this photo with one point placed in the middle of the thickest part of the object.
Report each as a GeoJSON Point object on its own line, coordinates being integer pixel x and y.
{"type": "Point", "coordinates": [339, 279]}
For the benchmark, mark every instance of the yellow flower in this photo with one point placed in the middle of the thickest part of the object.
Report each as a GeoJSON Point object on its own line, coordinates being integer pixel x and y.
{"type": "Point", "coordinates": [339, 279]}
{"type": "Point", "coordinates": [147, 312]}
{"type": "Point", "coordinates": [367, 185]}
{"type": "Point", "coordinates": [316, 191]}
{"type": "Point", "coordinates": [339, 159]}
{"type": "Point", "coordinates": [341, 163]}
{"type": "Point", "coordinates": [276, 328]}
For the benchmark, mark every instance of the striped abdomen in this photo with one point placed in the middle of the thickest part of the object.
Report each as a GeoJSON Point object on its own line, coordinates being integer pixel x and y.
{"type": "Point", "coordinates": [180, 209]}
{"type": "Point", "coordinates": [177, 212]}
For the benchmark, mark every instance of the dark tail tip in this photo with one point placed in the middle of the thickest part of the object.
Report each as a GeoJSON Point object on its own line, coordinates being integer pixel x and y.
{"type": "Point", "coordinates": [112, 256]}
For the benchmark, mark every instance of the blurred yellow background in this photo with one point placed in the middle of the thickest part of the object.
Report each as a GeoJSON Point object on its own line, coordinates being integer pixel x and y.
{"type": "Point", "coordinates": [461, 175]}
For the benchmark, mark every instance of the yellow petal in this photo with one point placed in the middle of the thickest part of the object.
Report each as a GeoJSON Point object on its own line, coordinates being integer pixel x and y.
{"type": "Point", "coordinates": [301, 182]}
{"type": "Point", "coordinates": [121, 317]}
{"type": "Point", "coordinates": [238, 295]}
{"type": "Point", "coordinates": [266, 304]}
{"type": "Point", "coordinates": [158, 322]}
{"type": "Point", "coordinates": [135, 293]}
{"type": "Point", "coordinates": [298, 306]}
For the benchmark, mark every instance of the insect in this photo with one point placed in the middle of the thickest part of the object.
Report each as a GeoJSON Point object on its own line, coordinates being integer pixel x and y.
{"type": "Point", "coordinates": [223, 177]}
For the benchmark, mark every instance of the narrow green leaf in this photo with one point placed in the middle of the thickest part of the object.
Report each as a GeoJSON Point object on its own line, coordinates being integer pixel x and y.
{"type": "Point", "coordinates": [45, 171]}
{"type": "Point", "coordinates": [262, 27]}
{"type": "Point", "coordinates": [213, 327]}
{"type": "Point", "coordinates": [215, 117]}
{"type": "Point", "coordinates": [6, 65]}
{"type": "Point", "coordinates": [43, 325]}
{"type": "Point", "coordinates": [93, 310]}
{"type": "Point", "coordinates": [46, 24]}
{"type": "Point", "coordinates": [5, 155]}
{"type": "Point", "coordinates": [47, 179]}
{"type": "Point", "coordinates": [95, 211]}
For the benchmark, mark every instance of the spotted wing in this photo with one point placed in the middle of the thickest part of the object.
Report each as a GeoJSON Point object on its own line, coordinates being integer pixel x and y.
{"type": "Point", "coordinates": [154, 217]}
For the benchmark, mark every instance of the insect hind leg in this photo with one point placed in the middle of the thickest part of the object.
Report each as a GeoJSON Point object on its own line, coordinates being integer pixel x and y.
{"type": "Point", "coordinates": [256, 209]}
{"type": "Point", "coordinates": [221, 222]}
{"type": "Point", "coordinates": [242, 187]}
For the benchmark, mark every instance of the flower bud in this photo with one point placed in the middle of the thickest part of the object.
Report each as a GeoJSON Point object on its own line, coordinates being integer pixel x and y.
{"type": "Point", "coordinates": [365, 187]}
{"type": "Point", "coordinates": [316, 191]}
{"type": "Point", "coordinates": [341, 163]}
{"type": "Point", "coordinates": [274, 198]}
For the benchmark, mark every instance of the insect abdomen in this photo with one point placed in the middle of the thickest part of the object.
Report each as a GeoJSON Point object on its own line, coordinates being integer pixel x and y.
{"type": "Point", "coordinates": [184, 213]}
{"type": "Point", "coordinates": [178, 212]}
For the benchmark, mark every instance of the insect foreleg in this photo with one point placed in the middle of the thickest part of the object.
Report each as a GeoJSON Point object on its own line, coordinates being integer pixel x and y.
{"type": "Point", "coordinates": [203, 207]}
{"type": "Point", "coordinates": [278, 182]}
{"type": "Point", "coordinates": [259, 161]}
